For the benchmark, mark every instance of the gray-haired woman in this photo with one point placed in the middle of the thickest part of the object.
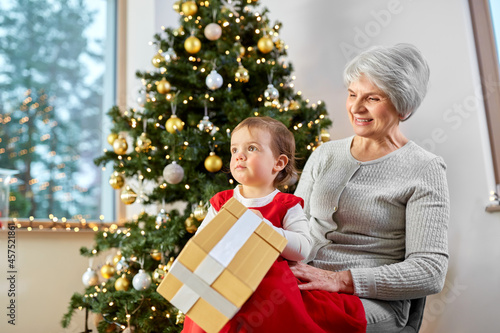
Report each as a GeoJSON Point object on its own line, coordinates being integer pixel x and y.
{"type": "Point", "coordinates": [378, 203]}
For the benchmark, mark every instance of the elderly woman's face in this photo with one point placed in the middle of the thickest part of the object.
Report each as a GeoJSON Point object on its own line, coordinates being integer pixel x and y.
{"type": "Point", "coordinates": [371, 112]}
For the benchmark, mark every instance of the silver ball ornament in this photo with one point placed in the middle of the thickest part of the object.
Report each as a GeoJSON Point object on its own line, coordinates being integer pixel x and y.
{"type": "Point", "coordinates": [214, 80]}
{"type": "Point", "coordinates": [141, 280]}
{"type": "Point", "coordinates": [213, 31]}
{"type": "Point", "coordinates": [121, 265]}
{"type": "Point", "coordinates": [173, 173]}
{"type": "Point", "coordinates": [206, 125]}
{"type": "Point", "coordinates": [271, 93]}
{"type": "Point", "coordinates": [162, 217]}
{"type": "Point", "coordinates": [141, 98]}
{"type": "Point", "coordinates": [90, 278]}
{"type": "Point", "coordinates": [169, 55]}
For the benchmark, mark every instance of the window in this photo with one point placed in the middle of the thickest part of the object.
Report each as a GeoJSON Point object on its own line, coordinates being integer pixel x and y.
{"type": "Point", "coordinates": [56, 84]}
{"type": "Point", "coordinates": [486, 25]}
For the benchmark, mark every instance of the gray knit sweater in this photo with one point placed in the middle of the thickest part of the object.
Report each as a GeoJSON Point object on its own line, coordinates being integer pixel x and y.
{"type": "Point", "coordinates": [385, 220]}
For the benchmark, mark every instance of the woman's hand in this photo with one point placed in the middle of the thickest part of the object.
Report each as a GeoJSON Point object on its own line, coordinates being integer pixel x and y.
{"type": "Point", "coordinates": [320, 279]}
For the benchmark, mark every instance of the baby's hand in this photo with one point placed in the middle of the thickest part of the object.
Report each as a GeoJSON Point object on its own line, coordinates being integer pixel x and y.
{"type": "Point", "coordinates": [258, 213]}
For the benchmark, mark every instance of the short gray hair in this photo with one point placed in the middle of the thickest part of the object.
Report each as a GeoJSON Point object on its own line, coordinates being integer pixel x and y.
{"type": "Point", "coordinates": [399, 71]}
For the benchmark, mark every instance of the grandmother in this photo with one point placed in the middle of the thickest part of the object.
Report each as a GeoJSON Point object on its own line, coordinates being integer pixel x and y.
{"type": "Point", "coordinates": [378, 203]}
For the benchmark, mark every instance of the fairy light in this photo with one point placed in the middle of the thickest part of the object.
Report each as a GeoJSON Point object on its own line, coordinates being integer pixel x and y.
{"type": "Point", "coordinates": [187, 186]}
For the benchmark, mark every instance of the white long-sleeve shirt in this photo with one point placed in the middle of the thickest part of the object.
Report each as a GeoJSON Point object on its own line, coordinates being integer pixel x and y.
{"type": "Point", "coordinates": [295, 225]}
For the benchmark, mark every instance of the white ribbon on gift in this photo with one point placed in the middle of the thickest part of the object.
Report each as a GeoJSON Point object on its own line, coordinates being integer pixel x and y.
{"type": "Point", "coordinates": [197, 284]}
{"type": "Point", "coordinates": [194, 288]}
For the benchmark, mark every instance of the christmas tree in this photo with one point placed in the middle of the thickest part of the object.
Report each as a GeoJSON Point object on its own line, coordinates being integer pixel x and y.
{"type": "Point", "coordinates": [225, 62]}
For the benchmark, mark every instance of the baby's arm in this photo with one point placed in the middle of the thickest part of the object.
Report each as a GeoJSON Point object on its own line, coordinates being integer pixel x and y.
{"type": "Point", "coordinates": [296, 231]}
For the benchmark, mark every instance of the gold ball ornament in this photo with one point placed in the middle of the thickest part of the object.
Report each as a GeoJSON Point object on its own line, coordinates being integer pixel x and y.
{"type": "Point", "coordinates": [122, 283]}
{"type": "Point", "coordinates": [241, 74]}
{"type": "Point", "coordinates": [116, 180]}
{"type": "Point", "coordinates": [120, 146]}
{"type": "Point", "coordinates": [192, 44]}
{"type": "Point", "coordinates": [107, 271]}
{"type": "Point", "coordinates": [157, 60]}
{"type": "Point", "coordinates": [163, 86]}
{"type": "Point", "coordinates": [265, 44]}
{"type": "Point", "coordinates": [213, 163]}
{"type": "Point", "coordinates": [143, 143]}
{"type": "Point", "coordinates": [155, 254]}
{"type": "Point", "coordinates": [324, 135]}
{"type": "Point", "coordinates": [200, 212]}
{"type": "Point", "coordinates": [159, 274]}
{"type": "Point", "coordinates": [177, 6]}
{"type": "Point", "coordinates": [294, 105]}
{"type": "Point", "coordinates": [240, 49]}
{"type": "Point", "coordinates": [169, 264]}
{"type": "Point", "coordinates": [179, 319]}
{"type": "Point", "coordinates": [116, 258]}
{"type": "Point", "coordinates": [191, 224]}
{"type": "Point", "coordinates": [280, 44]}
{"type": "Point", "coordinates": [128, 196]}
{"type": "Point", "coordinates": [189, 8]}
{"type": "Point", "coordinates": [112, 137]}
{"type": "Point", "coordinates": [174, 123]}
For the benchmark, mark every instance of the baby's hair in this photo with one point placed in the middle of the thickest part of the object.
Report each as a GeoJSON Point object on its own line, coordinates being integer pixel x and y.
{"type": "Point", "coordinates": [282, 143]}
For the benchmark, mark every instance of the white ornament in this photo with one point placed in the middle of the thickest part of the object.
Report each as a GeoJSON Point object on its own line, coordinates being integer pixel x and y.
{"type": "Point", "coordinates": [214, 80]}
{"type": "Point", "coordinates": [213, 31]}
{"type": "Point", "coordinates": [173, 173]}
{"type": "Point", "coordinates": [162, 217]}
{"type": "Point", "coordinates": [271, 93]}
{"type": "Point", "coordinates": [141, 97]}
{"type": "Point", "coordinates": [121, 265]}
{"type": "Point", "coordinates": [169, 55]}
{"type": "Point", "coordinates": [90, 278]}
{"type": "Point", "coordinates": [141, 280]}
{"type": "Point", "coordinates": [205, 124]}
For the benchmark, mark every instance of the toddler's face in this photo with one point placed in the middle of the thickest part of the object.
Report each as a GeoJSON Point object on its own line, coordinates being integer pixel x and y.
{"type": "Point", "coordinates": [252, 160]}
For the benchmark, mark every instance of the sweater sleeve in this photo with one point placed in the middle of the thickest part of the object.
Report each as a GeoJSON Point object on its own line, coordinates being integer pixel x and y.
{"type": "Point", "coordinates": [423, 271]}
{"type": "Point", "coordinates": [295, 230]}
{"type": "Point", "coordinates": [307, 179]}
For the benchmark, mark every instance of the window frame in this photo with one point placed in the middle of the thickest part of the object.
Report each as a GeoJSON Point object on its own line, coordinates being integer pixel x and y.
{"type": "Point", "coordinates": [489, 68]}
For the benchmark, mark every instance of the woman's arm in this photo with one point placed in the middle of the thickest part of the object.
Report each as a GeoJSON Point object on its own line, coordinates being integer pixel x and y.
{"type": "Point", "coordinates": [424, 269]}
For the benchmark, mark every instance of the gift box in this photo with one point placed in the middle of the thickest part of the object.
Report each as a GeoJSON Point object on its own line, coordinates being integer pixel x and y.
{"type": "Point", "coordinates": [221, 266]}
